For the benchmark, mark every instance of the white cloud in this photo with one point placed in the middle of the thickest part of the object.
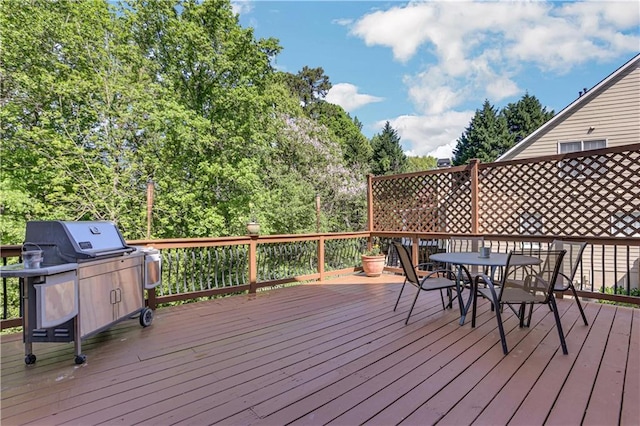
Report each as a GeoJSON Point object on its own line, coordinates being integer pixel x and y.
{"type": "Point", "coordinates": [434, 135]}
{"type": "Point", "coordinates": [480, 47]}
{"type": "Point", "coordinates": [346, 95]}
{"type": "Point", "coordinates": [241, 6]}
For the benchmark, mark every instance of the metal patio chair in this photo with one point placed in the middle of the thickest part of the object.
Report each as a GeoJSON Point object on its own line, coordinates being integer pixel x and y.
{"type": "Point", "coordinates": [570, 263]}
{"type": "Point", "coordinates": [468, 244]}
{"type": "Point", "coordinates": [521, 286]}
{"type": "Point", "coordinates": [436, 279]}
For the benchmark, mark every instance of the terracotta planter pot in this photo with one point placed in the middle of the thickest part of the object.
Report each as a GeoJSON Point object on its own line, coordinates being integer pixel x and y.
{"type": "Point", "coordinates": [373, 265]}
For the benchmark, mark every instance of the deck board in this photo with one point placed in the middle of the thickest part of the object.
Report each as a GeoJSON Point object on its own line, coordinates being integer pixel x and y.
{"type": "Point", "coordinates": [333, 353]}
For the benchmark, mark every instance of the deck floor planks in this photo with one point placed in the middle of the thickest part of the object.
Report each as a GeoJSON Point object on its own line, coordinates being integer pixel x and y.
{"type": "Point", "coordinates": [509, 398]}
{"type": "Point", "coordinates": [243, 370]}
{"type": "Point", "coordinates": [576, 392]}
{"type": "Point", "coordinates": [192, 376]}
{"type": "Point", "coordinates": [328, 365]}
{"type": "Point", "coordinates": [461, 401]}
{"type": "Point", "coordinates": [379, 370]}
{"type": "Point", "coordinates": [630, 406]}
{"type": "Point", "coordinates": [611, 374]}
{"type": "Point", "coordinates": [312, 353]}
{"type": "Point", "coordinates": [396, 401]}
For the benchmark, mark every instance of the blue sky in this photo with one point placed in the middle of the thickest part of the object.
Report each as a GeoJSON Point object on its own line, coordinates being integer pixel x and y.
{"type": "Point", "coordinates": [427, 66]}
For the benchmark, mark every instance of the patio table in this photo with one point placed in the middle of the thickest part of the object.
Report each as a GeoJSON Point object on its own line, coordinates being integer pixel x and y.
{"type": "Point", "coordinates": [494, 261]}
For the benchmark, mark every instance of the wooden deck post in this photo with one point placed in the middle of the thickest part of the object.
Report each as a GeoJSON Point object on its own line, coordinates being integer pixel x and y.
{"type": "Point", "coordinates": [369, 203]}
{"type": "Point", "coordinates": [321, 257]}
{"type": "Point", "coordinates": [415, 250]}
{"type": "Point", "coordinates": [253, 264]}
{"type": "Point", "coordinates": [475, 214]}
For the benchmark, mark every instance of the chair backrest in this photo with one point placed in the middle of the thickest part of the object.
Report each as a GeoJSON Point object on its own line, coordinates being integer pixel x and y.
{"type": "Point", "coordinates": [462, 244]}
{"type": "Point", "coordinates": [570, 263]}
{"type": "Point", "coordinates": [530, 283]}
{"type": "Point", "coordinates": [405, 261]}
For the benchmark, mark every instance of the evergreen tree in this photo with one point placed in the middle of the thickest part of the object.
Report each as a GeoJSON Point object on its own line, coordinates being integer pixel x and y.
{"type": "Point", "coordinates": [310, 84]}
{"type": "Point", "coordinates": [486, 137]}
{"type": "Point", "coordinates": [525, 116]}
{"type": "Point", "coordinates": [388, 157]}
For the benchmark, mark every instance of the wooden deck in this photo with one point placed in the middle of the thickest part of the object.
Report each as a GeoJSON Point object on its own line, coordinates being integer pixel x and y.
{"type": "Point", "coordinates": [333, 353]}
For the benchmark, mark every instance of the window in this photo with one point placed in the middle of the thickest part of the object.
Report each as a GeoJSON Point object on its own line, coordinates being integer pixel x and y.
{"type": "Point", "coordinates": [576, 146]}
{"type": "Point", "coordinates": [625, 224]}
{"type": "Point", "coordinates": [581, 168]}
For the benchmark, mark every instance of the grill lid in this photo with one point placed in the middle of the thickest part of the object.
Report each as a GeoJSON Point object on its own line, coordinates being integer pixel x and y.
{"type": "Point", "coordinates": [77, 240]}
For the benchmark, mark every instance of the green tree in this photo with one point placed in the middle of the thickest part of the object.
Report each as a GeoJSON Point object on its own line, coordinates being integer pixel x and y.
{"type": "Point", "coordinates": [309, 84]}
{"type": "Point", "coordinates": [525, 116]}
{"type": "Point", "coordinates": [486, 137]}
{"type": "Point", "coordinates": [344, 130]}
{"type": "Point", "coordinates": [418, 164]}
{"type": "Point", "coordinates": [388, 157]}
{"type": "Point", "coordinates": [99, 98]}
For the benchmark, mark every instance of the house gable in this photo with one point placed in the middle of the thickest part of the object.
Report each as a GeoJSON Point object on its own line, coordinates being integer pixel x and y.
{"type": "Point", "coordinates": [610, 111]}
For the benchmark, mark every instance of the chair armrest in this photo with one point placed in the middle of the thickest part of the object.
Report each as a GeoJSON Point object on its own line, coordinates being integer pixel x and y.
{"type": "Point", "coordinates": [489, 282]}
{"type": "Point", "coordinates": [446, 273]}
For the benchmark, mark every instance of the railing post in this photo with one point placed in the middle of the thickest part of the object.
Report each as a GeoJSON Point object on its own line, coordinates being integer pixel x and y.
{"type": "Point", "coordinates": [415, 250]}
{"type": "Point", "coordinates": [253, 264]}
{"type": "Point", "coordinates": [474, 163]}
{"type": "Point", "coordinates": [321, 257]}
{"type": "Point", "coordinates": [369, 203]}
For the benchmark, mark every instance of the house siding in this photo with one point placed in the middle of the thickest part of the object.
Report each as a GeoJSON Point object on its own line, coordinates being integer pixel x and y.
{"type": "Point", "coordinates": [613, 112]}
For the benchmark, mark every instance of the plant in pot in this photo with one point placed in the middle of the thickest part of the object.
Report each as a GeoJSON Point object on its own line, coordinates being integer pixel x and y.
{"type": "Point", "coordinates": [253, 227]}
{"type": "Point", "coordinates": [373, 261]}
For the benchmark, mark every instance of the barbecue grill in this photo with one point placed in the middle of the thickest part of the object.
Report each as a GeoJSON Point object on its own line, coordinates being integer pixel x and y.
{"type": "Point", "coordinates": [88, 280]}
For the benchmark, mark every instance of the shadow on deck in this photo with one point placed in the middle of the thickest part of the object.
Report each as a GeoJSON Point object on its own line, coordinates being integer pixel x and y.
{"type": "Point", "coordinates": [333, 352]}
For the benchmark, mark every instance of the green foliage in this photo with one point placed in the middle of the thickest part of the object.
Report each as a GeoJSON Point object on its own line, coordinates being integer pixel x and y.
{"type": "Point", "coordinates": [633, 292]}
{"type": "Point", "coordinates": [309, 85]}
{"type": "Point", "coordinates": [388, 157]}
{"type": "Point", "coordinates": [486, 137]}
{"type": "Point", "coordinates": [525, 116]}
{"type": "Point", "coordinates": [418, 164]}
{"type": "Point", "coordinates": [491, 132]}
{"type": "Point", "coordinates": [100, 98]}
{"type": "Point", "coordinates": [347, 132]}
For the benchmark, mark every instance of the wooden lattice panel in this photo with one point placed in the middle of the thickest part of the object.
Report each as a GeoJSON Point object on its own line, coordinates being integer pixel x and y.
{"type": "Point", "coordinates": [592, 195]}
{"type": "Point", "coordinates": [430, 202]}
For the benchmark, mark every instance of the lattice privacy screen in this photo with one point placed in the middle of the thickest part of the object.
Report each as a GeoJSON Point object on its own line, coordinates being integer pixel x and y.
{"type": "Point", "coordinates": [439, 202]}
{"type": "Point", "coordinates": [577, 194]}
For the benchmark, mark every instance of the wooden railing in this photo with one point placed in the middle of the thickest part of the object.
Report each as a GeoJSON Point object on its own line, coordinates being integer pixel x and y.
{"type": "Point", "coordinates": [197, 268]}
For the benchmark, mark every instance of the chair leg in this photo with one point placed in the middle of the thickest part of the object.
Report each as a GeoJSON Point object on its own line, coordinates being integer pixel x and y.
{"type": "Point", "coordinates": [474, 295]}
{"type": "Point", "coordinates": [399, 295]}
{"type": "Point", "coordinates": [412, 305]}
{"type": "Point", "coordinates": [575, 296]}
{"type": "Point", "coordinates": [522, 314]}
{"type": "Point", "coordinates": [530, 315]}
{"type": "Point", "coordinates": [442, 299]}
{"type": "Point", "coordinates": [552, 300]}
{"type": "Point", "coordinates": [450, 295]}
{"type": "Point", "coordinates": [503, 338]}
